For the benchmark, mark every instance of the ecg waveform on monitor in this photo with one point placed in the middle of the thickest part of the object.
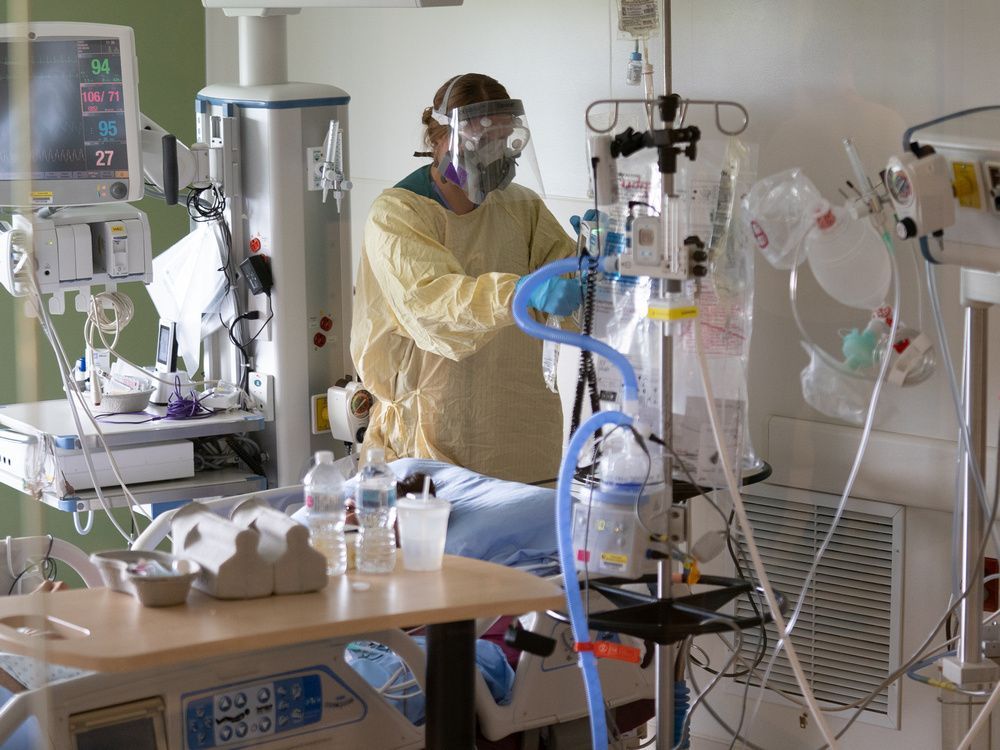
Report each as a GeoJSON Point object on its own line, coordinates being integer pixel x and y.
{"type": "Point", "coordinates": [14, 73]}
{"type": "Point", "coordinates": [47, 156]}
{"type": "Point", "coordinates": [41, 59]}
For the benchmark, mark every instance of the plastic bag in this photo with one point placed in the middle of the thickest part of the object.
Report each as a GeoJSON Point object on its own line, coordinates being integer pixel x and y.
{"type": "Point", "coordinates": [779, 212]}
{"type": "Point", "coordinates": [833, 393]}
{"type": "Point", "coordinates": [550, 356]}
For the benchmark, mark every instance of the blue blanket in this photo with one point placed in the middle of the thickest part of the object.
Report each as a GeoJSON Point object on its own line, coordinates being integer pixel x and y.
{"type": "Point", "coordinates": [507, 523]}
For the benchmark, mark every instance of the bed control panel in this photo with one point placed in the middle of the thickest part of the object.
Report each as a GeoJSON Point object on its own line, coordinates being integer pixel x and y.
{"type": "Point", "coordinates": [284, 705]}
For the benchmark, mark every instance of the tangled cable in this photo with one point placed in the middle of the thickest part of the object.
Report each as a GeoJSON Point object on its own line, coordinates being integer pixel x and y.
{"type": "Point", "coordinates": [180, 406]}
{"type": "Point", "coordinates": [108, 313]}
{"type": "Point", "coordinates": [206, 203]}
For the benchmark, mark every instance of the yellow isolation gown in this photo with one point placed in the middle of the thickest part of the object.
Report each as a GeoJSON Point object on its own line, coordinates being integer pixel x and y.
{"type": "Point", "coordinates": [433, 335]}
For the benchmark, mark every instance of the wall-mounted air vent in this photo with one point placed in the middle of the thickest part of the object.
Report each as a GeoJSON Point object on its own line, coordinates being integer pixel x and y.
{"type": "Point", "coordinates": [848, 634]}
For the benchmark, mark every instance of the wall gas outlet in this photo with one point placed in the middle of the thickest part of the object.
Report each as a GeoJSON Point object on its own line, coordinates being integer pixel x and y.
{"type": "Point", "coordinates": [262, 391]}
{"type": "Point", "coordinates": [320, 417]}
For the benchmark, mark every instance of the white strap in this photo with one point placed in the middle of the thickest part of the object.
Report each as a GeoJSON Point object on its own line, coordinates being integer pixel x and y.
{"type": "Point", "coordinates": [441, 115]}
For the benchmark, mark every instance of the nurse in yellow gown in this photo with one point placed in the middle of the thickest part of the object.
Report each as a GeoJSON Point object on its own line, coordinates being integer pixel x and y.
{"type": "Point", "coordinates": [433, 336]}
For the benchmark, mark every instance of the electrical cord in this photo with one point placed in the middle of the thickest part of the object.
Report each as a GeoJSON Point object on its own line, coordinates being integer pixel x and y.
{"type": "Point", "coordinates": [100, 323]}
{"type": "Point", "coordinates": [254, 463]}
{"type": "Point", "coordinates": [919, 653]}
{"type": "Point", "coordinates": [213, 209]}
{"type": "Point", "coordinates": [753, 594]}
{"type": "Point", "coordinates": [751, 544]}
{"type": "Point", "coordinates": [202, 210]}
{"type": "Point", "coordinates": [241, 346]}
{"type": "Point", "coordinates": [72, 388]}
{"type": "Point", "coordinates": [720, 720]}
{"type": "Point", "coordinates": [795, 700]}
{"type": "Point", "coordinates": [587, 379]}
{"type": "Point", "coordinates": [702, 694]}
{"type": "Point", "coordinates": [851, 478]}
{"type": "Point", "coordinates": [118, 303]}
{"type": "Point", "coordinates": [47, 565]}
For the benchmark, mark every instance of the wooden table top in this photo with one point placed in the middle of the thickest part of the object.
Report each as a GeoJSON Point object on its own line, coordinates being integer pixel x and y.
{"type": "Point", "coordinates": [108, 631]}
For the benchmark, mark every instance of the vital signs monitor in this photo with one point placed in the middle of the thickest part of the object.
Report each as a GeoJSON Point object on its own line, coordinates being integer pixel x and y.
{"type": "Point", "coordinates": [69, 115]}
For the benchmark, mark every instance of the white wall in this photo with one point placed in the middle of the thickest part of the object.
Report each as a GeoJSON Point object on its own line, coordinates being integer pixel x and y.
{"type": "Point", "coordinates": [810, 72]}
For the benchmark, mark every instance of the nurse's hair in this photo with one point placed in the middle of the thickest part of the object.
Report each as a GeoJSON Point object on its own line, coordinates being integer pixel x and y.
{"type": "Point", "coordinates": [461, 90]}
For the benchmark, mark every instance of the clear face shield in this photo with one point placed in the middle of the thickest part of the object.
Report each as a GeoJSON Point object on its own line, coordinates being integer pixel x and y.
{"type": "Point", "coordinates": [489, 148]}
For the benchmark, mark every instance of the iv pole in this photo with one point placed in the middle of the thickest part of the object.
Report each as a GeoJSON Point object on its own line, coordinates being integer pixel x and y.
{"type": "Point", "coordinates": [666, 654]}
{"type": "Point", "coordinates": [979, 291]}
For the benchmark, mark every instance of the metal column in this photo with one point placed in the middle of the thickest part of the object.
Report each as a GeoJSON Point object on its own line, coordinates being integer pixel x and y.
{"type": "Point", "coordinates": [970, 611]}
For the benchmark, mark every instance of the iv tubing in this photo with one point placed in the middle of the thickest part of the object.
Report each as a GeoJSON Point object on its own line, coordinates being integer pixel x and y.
{"type": "Point", "coordinates": [630, 385]}
{"type": "Point", "coordinates": [758, 564]}
{"type": "Point", "coordinates": [863, 445]}
{"type": "Point", "coordinates": [852, 476]}
{"type": "Point", "coordinates": [574, 601]}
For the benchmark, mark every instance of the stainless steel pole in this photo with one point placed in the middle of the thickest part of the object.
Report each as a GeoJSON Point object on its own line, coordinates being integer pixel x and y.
{"type": "Point", "coordinates": [970, 611]}
{"type": "Point", "coordinates": [666, 655]}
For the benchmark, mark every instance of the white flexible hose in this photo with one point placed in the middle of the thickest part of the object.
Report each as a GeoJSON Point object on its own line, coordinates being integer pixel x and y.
{"type": "Point", "coordinates": [85, 528]}
{"type": "Point", "coordinates": [852, 475]}
{"type": "Point", "coordinates": [72, 388]}
{"type": "Point", "coordinates": [772, 603]}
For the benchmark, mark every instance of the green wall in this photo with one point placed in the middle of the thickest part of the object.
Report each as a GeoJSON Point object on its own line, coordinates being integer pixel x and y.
{"type": "Point", "coordinates": [170, 45]}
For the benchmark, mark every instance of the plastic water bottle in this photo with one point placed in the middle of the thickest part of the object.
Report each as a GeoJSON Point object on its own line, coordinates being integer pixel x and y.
{"type": "Point", "coordinates": [848, 259]}
{"type": "Point", "coordinates": [376, 509]}
{"type": "Point", "coordinates": [323, 487]}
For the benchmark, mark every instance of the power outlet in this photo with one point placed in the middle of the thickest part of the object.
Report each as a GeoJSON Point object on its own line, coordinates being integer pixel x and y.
{"type": "Point", "coordinates": [262, 391]}
{"type": "Point", "coordinates": [319, 414]}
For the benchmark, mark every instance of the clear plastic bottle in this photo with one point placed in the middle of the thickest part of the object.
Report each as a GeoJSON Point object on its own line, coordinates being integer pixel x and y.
{"type": "Point", "coordinates": [848, 259]}
{"type": "Point", "coordinates": [323, 487]}
{"type": "Point", "coordinates": [376, 507]}
{"type": "Point", "coordinates": [625, 470]}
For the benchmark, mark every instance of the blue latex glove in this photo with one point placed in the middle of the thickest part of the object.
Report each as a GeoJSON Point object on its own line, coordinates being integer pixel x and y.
{"type": "Point", "coordinates": [589, 215]}
{"type": "Point", "coordinates": [556, 296]}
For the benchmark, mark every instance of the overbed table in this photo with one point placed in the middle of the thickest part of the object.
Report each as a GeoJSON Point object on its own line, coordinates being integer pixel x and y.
{"type": "Point", "coordinates": [107, 631]}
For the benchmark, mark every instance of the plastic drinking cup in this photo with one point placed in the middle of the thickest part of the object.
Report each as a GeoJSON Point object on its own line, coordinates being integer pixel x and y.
{"type": "Point", "coordinates": [423, 525]}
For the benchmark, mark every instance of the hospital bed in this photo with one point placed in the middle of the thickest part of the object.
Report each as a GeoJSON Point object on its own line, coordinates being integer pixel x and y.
{"type": "Point", "coordinates": [501, 522]}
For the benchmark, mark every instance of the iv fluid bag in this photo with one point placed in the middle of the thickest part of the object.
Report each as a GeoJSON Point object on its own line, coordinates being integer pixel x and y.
{"type": "Point", "coordinates": [723, 170]}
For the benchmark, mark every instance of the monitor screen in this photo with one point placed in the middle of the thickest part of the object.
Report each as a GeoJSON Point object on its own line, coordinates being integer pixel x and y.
{"type": "Point", "coordinates": [166, 347]}
{"type": "Point", "coordinates": [82, 116]}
